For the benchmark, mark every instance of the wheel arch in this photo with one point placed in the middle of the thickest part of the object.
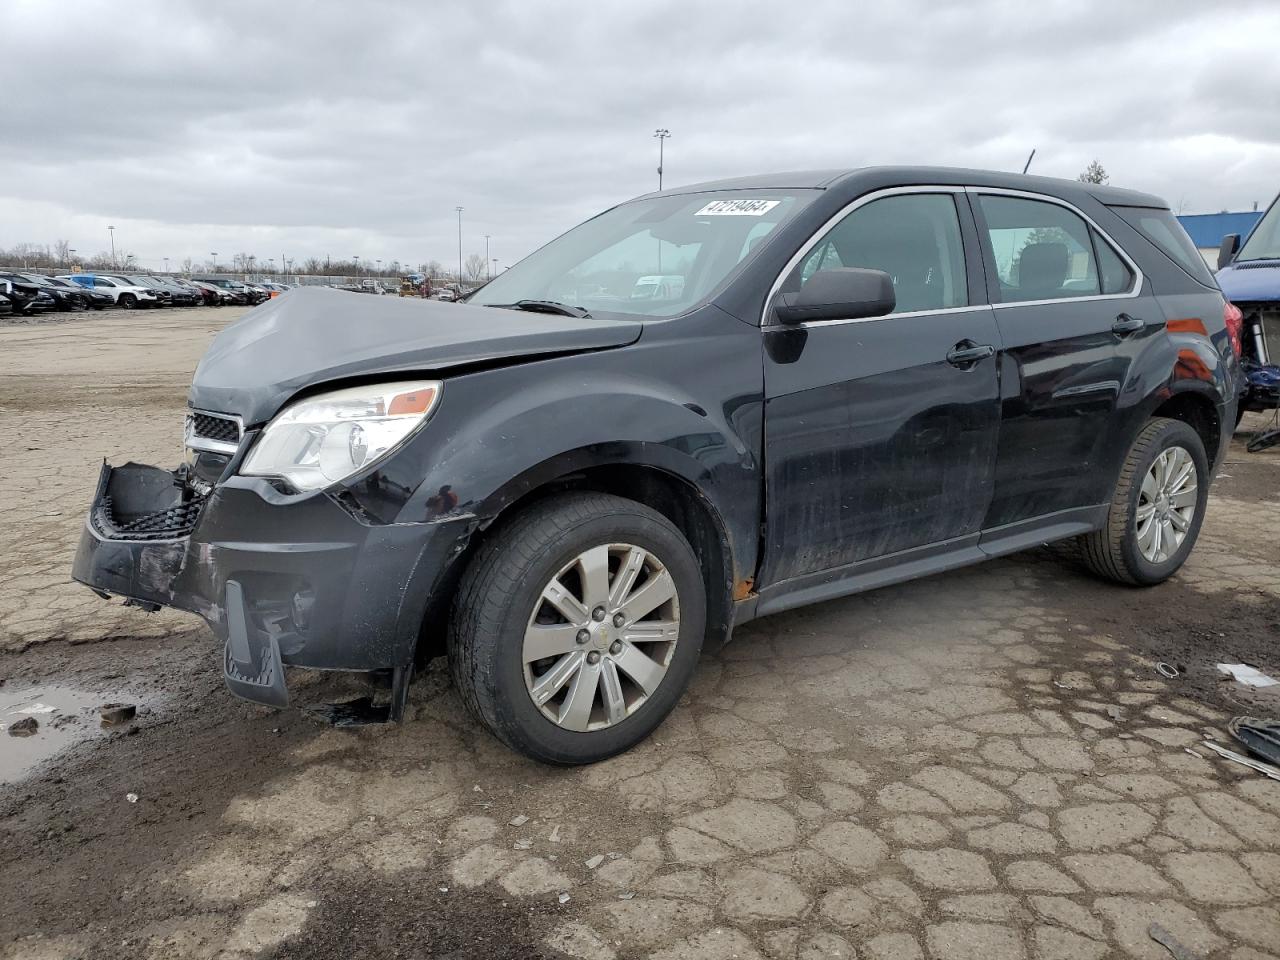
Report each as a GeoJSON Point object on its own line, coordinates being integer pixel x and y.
{"type": "Point", "coordinates": [673, 492]}
{"type": "Point", "coordinates": [1198, 409]}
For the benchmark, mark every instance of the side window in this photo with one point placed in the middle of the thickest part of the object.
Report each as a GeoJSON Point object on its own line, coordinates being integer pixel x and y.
{"type": "Point", "coordinates": [1115, 273]}
{"type": "Point", "coordinates": [102, 282]}
{"type": "Point", "coordinates": [913, 237]}
{"type": "Point", "coordinates": [1042, 251]}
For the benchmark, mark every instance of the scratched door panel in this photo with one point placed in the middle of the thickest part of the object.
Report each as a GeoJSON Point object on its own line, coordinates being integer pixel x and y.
{"type": "Point", "coordinates": [1063, 373]}
{"type": "Point", "coordinates": [874, 442]}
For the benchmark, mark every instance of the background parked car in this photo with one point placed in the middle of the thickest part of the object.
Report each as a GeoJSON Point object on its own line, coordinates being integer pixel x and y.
{"type": "Point", "coordinates": [163, 295]}
{"type": "Point", "coordinates": [97, 299]}
{"type": "Point", "coordinates": [182, 297]}
{"type": "Point", "coordinates": [64, 298]}
{"type": "Point", "coordinates": [28, 298]}
{"type": "Point", "coordinates": [125, 293]}
{"type": "Point", "coordinates": [215, 295]}
{"type": "Point", "coordinates": [246, 295]}
{"type": "Point", "coordinates": [6, 305]}
{"type": "Point", "coordinates": [207, 298]}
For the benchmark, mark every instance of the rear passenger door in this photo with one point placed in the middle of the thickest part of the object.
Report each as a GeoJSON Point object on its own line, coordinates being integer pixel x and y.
{"type": "Point", "coordinates": [1072, 315]}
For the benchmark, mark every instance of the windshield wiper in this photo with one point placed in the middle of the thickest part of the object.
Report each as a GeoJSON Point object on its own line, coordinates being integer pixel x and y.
{"type": "Point", "coordinates": [547, 306]}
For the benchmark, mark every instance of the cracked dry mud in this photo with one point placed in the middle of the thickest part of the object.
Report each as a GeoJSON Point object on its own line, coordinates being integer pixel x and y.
{"type": "Point", "coordinates": [931, 770]}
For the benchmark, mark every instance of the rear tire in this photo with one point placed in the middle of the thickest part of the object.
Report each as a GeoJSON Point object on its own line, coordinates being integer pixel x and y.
{"type": "Point", "coordinates": [128, 301]}
{"type": "Point", "coordinates": [610, 690]}
{"type": "Point", "coordinates": [1149, 531]}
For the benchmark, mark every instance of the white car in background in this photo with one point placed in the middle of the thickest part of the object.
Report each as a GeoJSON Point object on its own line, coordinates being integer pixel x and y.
{"type": "Point", "coordinates": [124, 292]}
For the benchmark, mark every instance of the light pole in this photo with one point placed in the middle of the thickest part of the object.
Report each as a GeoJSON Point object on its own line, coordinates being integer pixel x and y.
{"type": "Point", "coordinates": [166, 264]}
{"type": "Point", "coordinates": [379, 263]}
{"type": "Point", "coordinates": [214, 254]}
{"type": "Point", "coordinates": [459, 209]}
{"type": "Point", "coordinates": [495, 267]}
{"type": "Point", "coordinates": [661, 134]}
{"type": "Point", "coordinates": [356, 258]}
{"type": "Point", "coordinates": [70, 252]}
{"type": "Point", "coordinates": [112, 231]}
{"type": "Point", "coordinates": [486, 256]}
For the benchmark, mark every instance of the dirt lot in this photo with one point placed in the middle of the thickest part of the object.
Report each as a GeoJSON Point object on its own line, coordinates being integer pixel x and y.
{"type": "Point", "coordinates": [980, 765]}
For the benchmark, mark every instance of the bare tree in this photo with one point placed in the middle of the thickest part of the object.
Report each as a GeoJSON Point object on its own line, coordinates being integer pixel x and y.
{"type": "Point", "coordinates": [312, 265]}
{"type": "Point", "coordinates": [61, 252]}
{"type": "Point", "coordinates": [433, 268]}
{"type": "Point", "coordinates": [188, 265]}
{"type": "Point", "coordinates": [475, 267]}
{"type": "Point", "coordinates": [1094, 173]}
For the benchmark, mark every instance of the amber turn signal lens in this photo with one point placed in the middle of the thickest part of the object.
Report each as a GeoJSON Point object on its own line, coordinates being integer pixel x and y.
{"type": "Point", "coordinates": [406, 403]}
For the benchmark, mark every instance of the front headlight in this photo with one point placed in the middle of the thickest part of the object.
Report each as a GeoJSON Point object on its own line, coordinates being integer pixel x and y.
{"type": "Point", "coordinates": [324, 439]}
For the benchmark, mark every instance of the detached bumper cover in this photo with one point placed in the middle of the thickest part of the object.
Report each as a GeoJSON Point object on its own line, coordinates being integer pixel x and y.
{"type": "Point", "coordinates": [281, 580]}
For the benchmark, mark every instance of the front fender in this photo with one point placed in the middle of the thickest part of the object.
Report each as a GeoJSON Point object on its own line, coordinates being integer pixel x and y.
{"type": "Point", "coordinates": [689, 406]}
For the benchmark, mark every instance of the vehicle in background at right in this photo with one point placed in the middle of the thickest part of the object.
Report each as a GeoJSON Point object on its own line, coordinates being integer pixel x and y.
{"type": "Point", "coordinates": [1249, 276]}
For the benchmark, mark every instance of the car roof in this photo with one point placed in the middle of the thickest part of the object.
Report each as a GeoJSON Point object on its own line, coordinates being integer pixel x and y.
{"type": "Point", "coordinates": [878, 177]}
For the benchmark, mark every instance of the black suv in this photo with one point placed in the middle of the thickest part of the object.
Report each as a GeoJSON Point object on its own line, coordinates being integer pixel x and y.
{"type": "Point", "coordinates": [699, 407]}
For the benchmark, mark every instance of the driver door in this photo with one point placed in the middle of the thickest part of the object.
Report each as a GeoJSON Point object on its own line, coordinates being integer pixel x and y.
{"type": "Point", "coordinates": [880, 433]}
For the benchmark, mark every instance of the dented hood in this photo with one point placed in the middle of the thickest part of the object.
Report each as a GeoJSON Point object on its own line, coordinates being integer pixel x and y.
{"type": "Point", "coordinates": [314, 335]}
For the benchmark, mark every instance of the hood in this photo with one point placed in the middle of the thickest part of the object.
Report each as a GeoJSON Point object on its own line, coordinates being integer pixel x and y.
{"type": "Point", "coordinates": [1250, 280]}
{"type": "Point", "coordinates": [311, 335]}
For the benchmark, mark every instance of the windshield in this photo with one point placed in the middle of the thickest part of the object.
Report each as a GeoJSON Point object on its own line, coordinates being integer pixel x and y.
{"type": "Point", "coordinates": [37, 279]}
{"type": "Point", "coordinates": [1264, 242]}
{"type": "Point", "coordinates": [655, 258]}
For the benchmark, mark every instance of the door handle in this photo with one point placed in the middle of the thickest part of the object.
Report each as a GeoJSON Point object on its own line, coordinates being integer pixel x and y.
{"type": "Point", "coordinates": [966, 353]}
{"type": "Point", "coordinates": [1126, 325]}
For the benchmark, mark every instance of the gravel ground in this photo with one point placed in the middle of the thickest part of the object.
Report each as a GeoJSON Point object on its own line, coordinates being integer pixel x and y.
{"type": "Point", "coordinates": [981, 764]}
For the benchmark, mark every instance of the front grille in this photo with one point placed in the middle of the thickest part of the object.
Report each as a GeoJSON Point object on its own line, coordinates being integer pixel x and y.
{"type": "Point", "coordinates": [176, 521]}
{"type": "Point", "coordinates": [210, 427]}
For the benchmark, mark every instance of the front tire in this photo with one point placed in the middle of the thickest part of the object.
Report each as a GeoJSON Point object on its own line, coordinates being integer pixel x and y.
{"type": "Point", "coordinates": [1157, 509]}
{"type": "Point", "coordinates": [128, 301]}
{"type": "Point", "coordinates": [577, 628]}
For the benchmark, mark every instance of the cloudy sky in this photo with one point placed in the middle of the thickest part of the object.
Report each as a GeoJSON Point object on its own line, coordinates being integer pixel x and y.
{"type": "Point", "coordinates": [342, 129]}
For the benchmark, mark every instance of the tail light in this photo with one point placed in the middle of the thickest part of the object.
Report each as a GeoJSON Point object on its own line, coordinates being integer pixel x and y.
{"type": "Point", "coordinates": [1234, 320]}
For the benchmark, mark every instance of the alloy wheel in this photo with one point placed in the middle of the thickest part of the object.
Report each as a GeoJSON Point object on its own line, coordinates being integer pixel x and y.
{"type": "Point", "coordinates": [601, 637]}
{"type": "Point", "coordinates": [1166, 504]}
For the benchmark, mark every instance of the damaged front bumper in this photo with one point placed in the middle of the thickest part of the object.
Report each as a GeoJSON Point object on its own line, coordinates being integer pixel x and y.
{"type": "Point", "coordinates": [281, 579]}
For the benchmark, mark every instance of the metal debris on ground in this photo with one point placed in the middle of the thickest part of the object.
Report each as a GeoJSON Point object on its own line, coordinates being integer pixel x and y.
{"type": "Point", "coordinates": [1167, 670]}
{"type": "Point", "coordinates": [522, 844]}
{"type": "Point", "coordinates": [555, 834]}
{"type": "Point", "coordinates": [1262, 737]}
{"type": "Point", "coordinates": [563, 898]}
{"type": "Point", "coordinates": [25, 727]}
{"type": "Point", "coordinates": [1264, 768]}
{"type": "Point", "coordinates": [131, 797]}
{"type": "Point", "coordinates": [519, 821]}
{"type": "Point", "coordinates": [1167, 940]}
{"type": "Point", "coordinates": [595, 861]}
{"type": "Point", "coordinates": [626, 896]}
{"type": "Point", "coordinates": [1250, 676]}
{"type": "Point", "coordinates": [1115, 712]}
{"type": "Point", "coordinates": [114, 713]}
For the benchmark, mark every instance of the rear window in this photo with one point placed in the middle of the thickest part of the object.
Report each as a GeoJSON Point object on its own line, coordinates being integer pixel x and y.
{"type": "Point", "coordinates": [1163, 229]}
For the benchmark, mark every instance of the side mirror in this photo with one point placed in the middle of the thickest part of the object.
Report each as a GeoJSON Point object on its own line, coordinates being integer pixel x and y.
{"type": "Point", "coordinates": [1228, 250]}
{"type": "Point", "coordinates": [847, 293]}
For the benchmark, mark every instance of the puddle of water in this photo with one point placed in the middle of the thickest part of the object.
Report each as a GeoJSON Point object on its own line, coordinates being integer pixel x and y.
{"type": "Point", "coordinates": [66, 716]}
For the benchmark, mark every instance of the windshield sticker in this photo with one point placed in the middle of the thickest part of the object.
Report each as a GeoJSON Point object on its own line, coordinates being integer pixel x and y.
{"type": "Point", "coordinates": [737, 208]}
